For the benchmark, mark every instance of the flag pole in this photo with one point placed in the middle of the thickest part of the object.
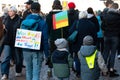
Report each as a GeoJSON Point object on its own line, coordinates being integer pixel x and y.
{"type": "Point", "coordinates": [62, 32]}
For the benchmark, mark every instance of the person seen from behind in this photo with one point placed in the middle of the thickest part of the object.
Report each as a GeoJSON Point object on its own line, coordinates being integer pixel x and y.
{"type": "Point", "coordinates": [110, 26]}
{"type": "Point", "coordinates": [91, 60]}
{"type": "Point", "coordinates": [61, 59]}
{"type": "Point", "coordinates": [34, 58]}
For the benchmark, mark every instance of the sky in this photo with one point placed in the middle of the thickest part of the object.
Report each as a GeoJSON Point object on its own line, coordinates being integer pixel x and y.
{"type": "Point", "coordinates": [80, 4]}
{"type": "Point", "coordinates": [46, 5]}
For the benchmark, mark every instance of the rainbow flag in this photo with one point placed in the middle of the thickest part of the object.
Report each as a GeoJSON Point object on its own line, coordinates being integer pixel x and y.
{"type": "Point", "coordinates": [60, 20]}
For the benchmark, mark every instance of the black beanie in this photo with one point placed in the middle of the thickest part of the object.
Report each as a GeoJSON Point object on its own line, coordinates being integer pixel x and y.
{"type": "Point", "coordinates": [35, 6]}
{"type": "Point", "coordinates": [57, 2]}
{"type": "Point", "coordinates": [57, 5]}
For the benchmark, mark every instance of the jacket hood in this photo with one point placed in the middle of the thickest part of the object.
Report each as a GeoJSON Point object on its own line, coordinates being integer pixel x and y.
{"type": "Point", "coordinates": [111, 10]}
{"type": "Point", "coordinates": [54, 11]}
{"type": "Point", "coordinates": [34, 16]}
{"type": "Point", "coordinates": [90, 15]}
{"type": "Point", "coordinates": [87, 50]}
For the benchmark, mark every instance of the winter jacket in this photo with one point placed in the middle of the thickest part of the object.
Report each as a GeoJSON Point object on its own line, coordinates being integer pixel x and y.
{"type": "Point", "coordinates": [11, 26]}
{"type": "Point", "coordinates": [62, 62]}
{"type": "Point", "coordinates": [111, 23]}
{"type": "Point", "coordinates": [85, 27]}
{"type": "Point", "coordinates": [44, 29]}
{"type": "Point", "coordinates": [86, 72]}
{"type": "Point", "coordinates": [54, 34]}
{"type": "Point", "coordinates": [93, 19]}
{"type": "Point", "coordinates": [100, 33]}
{"type": "Point", "coordinates": [72, 16]}
{"type": "Point", "coordinates": [26, 13]}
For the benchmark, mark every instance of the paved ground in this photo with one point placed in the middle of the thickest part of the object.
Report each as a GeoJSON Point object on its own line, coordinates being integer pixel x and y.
{"type": "Point", "coordinates": [44, 73]}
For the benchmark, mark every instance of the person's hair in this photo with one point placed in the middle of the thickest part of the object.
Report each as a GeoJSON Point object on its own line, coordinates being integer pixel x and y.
{"type": "Point", "coordinates": [57, 5]}
{"type": "Point", "coordinates": [35, 7]}
{"type": "Point", "coordinates": [82, 14]}
{"type": "Point", "coordinates": [108, 2]}
{"type": "Point", "coordinates": [13, 8]}
{"type": "Point", "coordinates": [90, 10]}
{"type": "Point", "coordinates": [115, 6]}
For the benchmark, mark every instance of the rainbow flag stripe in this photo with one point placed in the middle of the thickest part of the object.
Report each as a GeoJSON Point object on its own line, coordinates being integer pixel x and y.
{"type": "Point", "coordinates": [60, 20]}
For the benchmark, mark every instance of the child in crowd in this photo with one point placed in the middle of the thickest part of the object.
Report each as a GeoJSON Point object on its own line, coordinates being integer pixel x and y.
{"type": "Point", "coordinates": [91, 60]}
{"type": "Point", "coordinates": [61, 59]}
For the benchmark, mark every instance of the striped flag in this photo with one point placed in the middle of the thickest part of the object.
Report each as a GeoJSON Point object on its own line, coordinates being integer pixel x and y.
{"type": "Point", "coordinates": [60, 20]}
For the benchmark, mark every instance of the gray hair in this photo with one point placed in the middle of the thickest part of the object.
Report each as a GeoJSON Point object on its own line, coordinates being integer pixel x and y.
{"type": "Point", "coordinates": [83, 14]}
{"type": "Point", "coordinates": [13, 8]}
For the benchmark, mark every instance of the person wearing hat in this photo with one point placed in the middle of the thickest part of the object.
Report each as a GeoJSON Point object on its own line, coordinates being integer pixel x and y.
{"type": "Point", "coordinates": [54, 34]}
{"type": "Point", "coordinates": [27, 11]}
{"type": "Point", "coordinates": [33, 58]}
{"type": "Point", "coordinates": [11, 23]}
{"type": "Point", "coordinates": [84, 27]}
{"type": "Point", "coordinates": [72, 17]}
{"type": "Point", "coordinates": [72, 13]}
{"type": "Point", "coordinates": [61, 59]}
{"type": "Point", "coordinates": [91, 60]}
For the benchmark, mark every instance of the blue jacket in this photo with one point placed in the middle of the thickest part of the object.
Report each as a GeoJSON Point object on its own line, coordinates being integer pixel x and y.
{"type": "Point", "coordinates": [44, 29]}
{"type": "Point", "coordinates": [100, 33]}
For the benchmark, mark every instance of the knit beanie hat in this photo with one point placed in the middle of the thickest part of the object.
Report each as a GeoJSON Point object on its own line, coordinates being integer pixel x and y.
{"type": "Point", "coordinates": [57, 2]}
{"type": "Point", "coordinates": [57, 5]}
{"type": "Point", "coordinates": [71, 5]}
{"type": "Point", "coordinates": [88, 40]}
{"type": "Point", "coordinates": [61, 43]}
{"type": "Point", "coordinates": [13, 8]}
{"type": "Point", "coordinates": [35, 6]}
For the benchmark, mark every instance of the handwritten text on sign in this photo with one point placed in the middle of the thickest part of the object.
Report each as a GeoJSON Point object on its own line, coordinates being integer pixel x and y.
{"type": "Point", "coordinates": [28, 39]}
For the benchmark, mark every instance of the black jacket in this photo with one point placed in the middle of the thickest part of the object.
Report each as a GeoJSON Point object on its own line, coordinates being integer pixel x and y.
{"type": "Point", "coordinates": [85, 27]}
{"type": "Point", "coordinates": [58, 33]}
{"type": "Point", "coordinates": [95, 21]}
{"type": "Point", "coordinates": [72, 16]}
{"type": "Point", "coordinates": [11, 27]}
{"type": "Point", "coordinates": [26, 13]}
{"type": "Point", "coordinates": [60, 57]}
{"type": "Point", "coordinates": [111, 23]}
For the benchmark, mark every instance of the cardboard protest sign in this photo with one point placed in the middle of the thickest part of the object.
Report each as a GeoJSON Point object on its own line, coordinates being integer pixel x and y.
{"type": "Point", "coordinates": [28, 39]}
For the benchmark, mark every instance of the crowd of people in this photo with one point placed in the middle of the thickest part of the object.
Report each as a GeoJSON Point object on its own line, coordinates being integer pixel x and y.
{"type": "Point", "coordinates": [91, 54]}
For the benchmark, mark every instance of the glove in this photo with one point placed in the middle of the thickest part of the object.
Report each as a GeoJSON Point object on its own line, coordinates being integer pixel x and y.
{"type": "Point", "coordinates": [49, 62]}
